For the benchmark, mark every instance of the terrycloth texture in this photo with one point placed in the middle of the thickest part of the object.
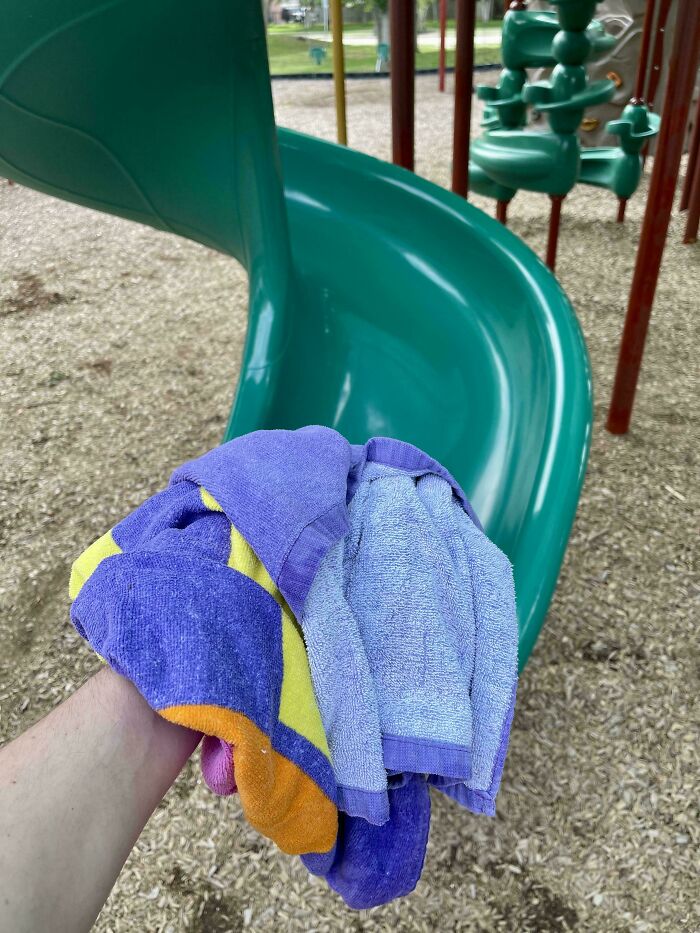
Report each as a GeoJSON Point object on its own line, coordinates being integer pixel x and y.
{"type": "Point", "coordinates": [287, 493]}
{"type": "Point", "coordinates": [389, 625]}
{"type": "Point", "coordinates": [217, 766]}
{"type": "Point", "coordinates": [175, 599]}
{"type": "Point", "coordinates": [495, 677]}
{"type": "Point", "coordinates": [346, 693]}
{"type": "Point", "coordinates": [291, 494]}
{"type": "Point", "coordinates": [372, 865]}
{"type": "Point", "coordinates": [427, 616]}
{"type": "Point", "coordinates": [409, 617]}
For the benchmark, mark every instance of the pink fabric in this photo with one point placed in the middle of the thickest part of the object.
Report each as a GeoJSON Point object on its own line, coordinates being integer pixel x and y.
{"type": "Point", "coordinates": [217, 766]}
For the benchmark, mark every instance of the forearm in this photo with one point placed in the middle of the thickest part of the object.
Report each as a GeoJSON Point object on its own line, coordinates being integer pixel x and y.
{"type": "Point", "coordinates": [75, 792]}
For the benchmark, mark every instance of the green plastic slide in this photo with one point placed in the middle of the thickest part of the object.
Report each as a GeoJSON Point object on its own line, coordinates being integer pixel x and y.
{"type": "Point", "coordinates": [379, 303]}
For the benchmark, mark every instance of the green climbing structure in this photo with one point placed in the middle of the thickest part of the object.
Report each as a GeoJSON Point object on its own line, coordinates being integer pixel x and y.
{"type": "Point", "coordinates": [508, 156]}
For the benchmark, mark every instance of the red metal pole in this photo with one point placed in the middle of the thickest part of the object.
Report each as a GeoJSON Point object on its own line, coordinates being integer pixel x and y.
{"type": "Point", "coordinates": [502, 212]}
{"type": "Point", "coordinates": [657, 59]}
{"type": "Point", "coordinates": [693, 221]}
{"type": "Point", "coordinates": [682, 70]}
{"type": "Point", "coordinates": [621, 208]}
{"type": "Point", "coordinates": [464, 86]}
{"type": "Point", "coordinates": [693, 159]}
{"type": "Point", "coordinates": [403, 64]}
{"type": "Point", "coordinates": [643, 64]}
{"type": "Point", "coordinates": [657, 56]}
{"type": "Point", "coordinates": [443, 29]}
{"type": "Point", "coordinates": [554, 222]}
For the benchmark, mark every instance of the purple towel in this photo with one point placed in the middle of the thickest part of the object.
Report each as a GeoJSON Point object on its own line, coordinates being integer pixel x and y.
{"type": "Point", "coordinates": [290, 494]}
{"type": "Point", "coordinates": [372, 865]}
{"type": "Point", "coordinates": [287, 493]}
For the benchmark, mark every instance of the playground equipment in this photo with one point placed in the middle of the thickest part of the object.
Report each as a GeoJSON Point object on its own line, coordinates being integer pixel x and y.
{"type": "Point", "coordinates": [317, 54]}
{"type": "Point", "coordinates": [379, 303]}
{"type": "Point", "coordinates": [690, 198]}
{"type": "Point", "coordinates": [339, 71]}
{"type": "Point", "coordinates": [402, 29]}
{"type": "Point", "coordinates": [683, 66]}
{"type": "Point", "coordinates": [650, 75]}
{"type": "Point", "coordinates": [508, 157]}
{"type": "Point", "coordinates": [442, 57]}
{"type": "Point", "coordinates": [635, 50]}
{"type": "Point", "coordinates": [464, 77]}
{"type": "Point", "coordinates": [527, 42]}
{"type": "Point", "coordinates": [382, 57]}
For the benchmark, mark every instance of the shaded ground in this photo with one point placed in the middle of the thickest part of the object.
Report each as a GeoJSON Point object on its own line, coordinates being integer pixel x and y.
{"type": "Point", "coordinates": [119, 348]}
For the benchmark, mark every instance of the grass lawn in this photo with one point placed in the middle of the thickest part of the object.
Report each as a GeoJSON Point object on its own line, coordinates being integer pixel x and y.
{"type": "Point", "coordinates": [433, 24]}
{"type": "Point", "coordinates": [287, 28]}
{"type": "Point", "coordinates": [289, 54]}
{"type": "Point", "coordinates": [429, 24]}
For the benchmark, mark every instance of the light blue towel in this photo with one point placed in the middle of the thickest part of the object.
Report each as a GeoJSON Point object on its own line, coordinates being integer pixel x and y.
{"type": "Point", "coordinates": [393, 631]}
{"type": "Point", "coordinates": [495, 666]}
{"type": "Point", "coordinates": [345, 692]}
{"type": "Point", "coordinates": [408, 582]}
{"type": "Point", "coordinates": [395, 590]}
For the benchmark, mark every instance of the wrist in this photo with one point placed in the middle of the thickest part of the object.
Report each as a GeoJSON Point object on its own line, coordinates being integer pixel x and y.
{"type": "Point", "coordinates": [148, 741]}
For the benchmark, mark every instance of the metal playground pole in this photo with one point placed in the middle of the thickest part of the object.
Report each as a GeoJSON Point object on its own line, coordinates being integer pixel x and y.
{"type": "Point", "coordinates": [667, 159]}
{"type": "Point", "coordinates": [339, 70]}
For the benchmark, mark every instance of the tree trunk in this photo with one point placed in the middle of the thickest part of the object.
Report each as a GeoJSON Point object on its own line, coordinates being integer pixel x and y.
{"type": "Point", "coordinates": [381, 26]}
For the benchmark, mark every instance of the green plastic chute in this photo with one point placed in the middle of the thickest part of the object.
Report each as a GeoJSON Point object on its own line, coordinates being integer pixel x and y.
{"type": "Point", "coordinates": [379, 303]}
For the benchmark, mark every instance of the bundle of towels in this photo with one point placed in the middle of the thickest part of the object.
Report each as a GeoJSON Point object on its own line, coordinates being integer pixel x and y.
{"type": "Point", "coordinates": [336, 623]}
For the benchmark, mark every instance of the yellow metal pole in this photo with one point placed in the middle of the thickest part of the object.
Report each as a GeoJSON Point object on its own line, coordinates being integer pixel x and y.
{"type": "Point", "coordinates": [339, 70]}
